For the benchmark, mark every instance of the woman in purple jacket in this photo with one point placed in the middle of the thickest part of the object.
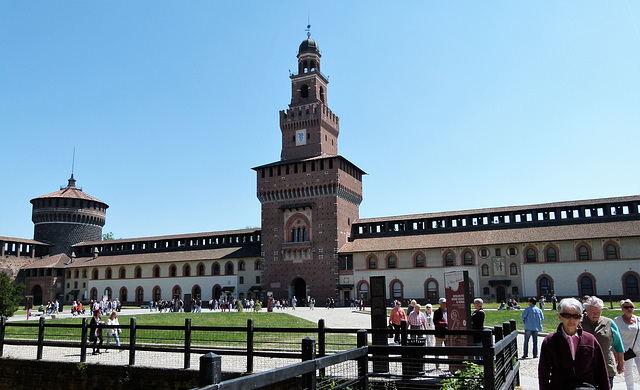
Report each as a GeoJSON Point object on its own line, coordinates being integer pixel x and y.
{"type": "Point", "coordinates": [570, 358]}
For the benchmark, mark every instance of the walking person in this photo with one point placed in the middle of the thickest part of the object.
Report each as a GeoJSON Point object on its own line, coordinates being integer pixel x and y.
{"type": "Point", "coordinates": [417, 320]}
{"type": "Point", "coordinates": [606, 332]}
{"type": "Point", "coordinates": [95, 331]}
{"type": "Point", "coordinates": [571, 358]}
{"type": "Point", "coordinates": [115, 332]}
{"type": "Point", "coordinates": [532, 318]}
{"type": "Point", "coordinates": [441, 322]}
{"type": "Point", "coordinates": [629, 327]}
{"type": "Point", "coordinates": [431, 340]}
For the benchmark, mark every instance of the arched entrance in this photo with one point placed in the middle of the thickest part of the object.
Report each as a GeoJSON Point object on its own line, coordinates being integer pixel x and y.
{"type": "Point", "coordinates": [36, 291]}
{"type": "Point", "coordinates": [299, 290]}
{"type": "Point", "coordinates": [501, 296]}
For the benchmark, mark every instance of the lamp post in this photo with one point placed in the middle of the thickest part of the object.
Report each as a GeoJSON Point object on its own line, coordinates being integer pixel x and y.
{"type": "Point", "coordinates": [610, 299]}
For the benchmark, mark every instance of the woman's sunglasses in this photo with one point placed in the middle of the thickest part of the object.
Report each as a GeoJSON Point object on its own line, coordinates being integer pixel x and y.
{"type": "Point", "coordinates": [574, 316]}
{"type": "Point", "coordinates": [627, 307]}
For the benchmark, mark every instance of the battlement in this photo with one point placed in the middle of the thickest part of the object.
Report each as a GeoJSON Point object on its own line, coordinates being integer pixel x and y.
{"type": "Point", "coordinates": [307, 112]}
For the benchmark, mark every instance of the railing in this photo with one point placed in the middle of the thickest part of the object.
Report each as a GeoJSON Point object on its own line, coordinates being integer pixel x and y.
{"type": "Point", "coordinates": [329, 358]}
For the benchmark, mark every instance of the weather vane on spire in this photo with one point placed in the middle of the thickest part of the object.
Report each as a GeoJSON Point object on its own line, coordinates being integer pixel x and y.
{"type": "Point", "coordinates": [308, 29]}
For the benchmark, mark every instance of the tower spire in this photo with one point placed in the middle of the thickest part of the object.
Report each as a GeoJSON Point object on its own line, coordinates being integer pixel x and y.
{"type": "Point", "coordinates": [72, 181]}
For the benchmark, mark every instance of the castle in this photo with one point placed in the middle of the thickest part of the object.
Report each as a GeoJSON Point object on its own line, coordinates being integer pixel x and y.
{"type": "Point", "coordinates": [312, 242]}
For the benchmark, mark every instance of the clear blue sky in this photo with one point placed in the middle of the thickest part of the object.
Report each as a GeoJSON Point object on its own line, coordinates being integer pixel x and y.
{"type": "Point", "coordinates": [446, 105]}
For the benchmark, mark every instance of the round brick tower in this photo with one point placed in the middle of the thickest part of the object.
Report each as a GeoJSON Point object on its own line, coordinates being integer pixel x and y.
{"type": "Point", "coordinates": [67, 217]}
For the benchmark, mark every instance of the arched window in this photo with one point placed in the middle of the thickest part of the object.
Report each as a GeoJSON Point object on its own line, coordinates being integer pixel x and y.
{"type": "Point", "coordinates": [586, 286]}
{"type": "Point", "coordinates": [448, 259]}
{"type": "Point", "coordinates": [544, 285]}
{"type": "Point", "coordinates": [551, 254]}
{"type": "Point", "coordinates": [391, 262]}
{"type": "Point", "coordinates": [241, 265]}
{"type": "Point", "coordinates": [486, 291]}
{"type": "Point", "coordinates": [173, 271]}
{"type": "Point", "coordinates": [94, 294]}
{"type": "Point", "coordinates": [156, 271]}
{"type": "Point", "coordinates": [138, 272]}
{"type": "Point", "coordinates": [532, 256]}
{"type": "Point", "coordinates": [257, 265]}
{"type": "Point", "coordinates": [515, 291]}
{"type": "Point", "coordinates": [419, 260]}
{"type": "Point", "coordinates": [139, 295]}
{"type": "Point", "coordinates": [583, 253]}
{"type": "Point", "coordinates": [485, 270]}
{"type": "Point", "coordinates": [196, 292]}
{"type": "Point", "coordinates": [513, 269]}
{"type": "Point", "coordinates": [95, 274]}
{"type": "Point", "coordinates": [373, 262]}
{"type": "Point", "coordinates": [432, 290]}
{"type": "Point", "coordinates": [177, 292]}
{"type": "Point", "coordinates": [109, 273]}
{"type": "Point", "coordinates": [258, 279]}
{"type": "Point", "coordinates": [304, 90]}
{"type": "Point", "coordinates": [108, 293]}
{"type": "Point", "coordinates": [396, 290]}
{"type": "Point", "coordinates": [631, 285]}
{"type": "Point", "coordinates": [157, 293]}
{"type": "Point", "coordinates": [76, 274]}
{"type": "Point", "coordinates": [241, 280]}
{"type": "Point", "coordinates": [228, 268]}
{"type": "Point", "coordinates": [123, 273]}
{"type": "Point", "coordinates": [612, 252]}
{"type": "Point", "coordinates": [468, 258]}
{"type": "Point", "coordinates": [123, 294]}
{"type": "Point", "coordinates": [186, 270]}
{"type": "Point", "coordinates": [216, 269]}
{"type": "Point", "coordinates": [200, 269]}
{"type": "Point", "coordinates": [363, 291]}
{"type": "Point", "coordinates": [75, 284]}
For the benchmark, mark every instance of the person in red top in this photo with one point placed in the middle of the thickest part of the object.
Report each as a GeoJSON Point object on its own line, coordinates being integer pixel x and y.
{"type": "Point", "coordinates": [395, 319]}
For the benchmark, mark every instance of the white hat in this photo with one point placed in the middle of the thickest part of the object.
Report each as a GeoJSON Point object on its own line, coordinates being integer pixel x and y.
{"type": "Point", "coordinates": [442, 300]}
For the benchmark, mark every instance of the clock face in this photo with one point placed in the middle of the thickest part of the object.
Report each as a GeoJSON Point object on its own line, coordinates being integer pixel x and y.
{"type": "Point", "coordinates": [301, 137]}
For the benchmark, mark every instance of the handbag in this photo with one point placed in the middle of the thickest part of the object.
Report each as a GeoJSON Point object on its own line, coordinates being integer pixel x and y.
{"type": "Point", "coordinates": [629, 354]}
{"type": "Point", "coordinates": [389, 331]}
{"type": "Point", "coordinates": [584, 386]}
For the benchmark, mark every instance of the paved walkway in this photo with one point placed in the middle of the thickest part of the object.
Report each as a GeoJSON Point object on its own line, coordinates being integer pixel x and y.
{"type": "Point", "coordinates": [334, 318]}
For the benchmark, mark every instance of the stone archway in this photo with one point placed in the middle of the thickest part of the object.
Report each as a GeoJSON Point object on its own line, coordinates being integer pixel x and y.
{"type": "Point", "coordinates": [299, 290]}
{"type": "Point", "coordinates": [36, 291]}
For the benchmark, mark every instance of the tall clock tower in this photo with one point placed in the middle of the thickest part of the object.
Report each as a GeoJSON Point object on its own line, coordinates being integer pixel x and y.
{"type": "Point", "coordinates": [311, 196]}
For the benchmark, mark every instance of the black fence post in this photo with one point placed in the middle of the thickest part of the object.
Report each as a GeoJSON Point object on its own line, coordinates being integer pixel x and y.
{"type": "Point", "coordinates": [497, 333]}
{"type": "Point", "coordinates": [187, 343]}
{"type": "Point", "coordinates": [309, 353]}
{"type": "Point", "coordinates": [322, 343]}
{"type": "Point", "coordinates": [40, 338]}
{"type": "Point", "coordinates": [363, 362]}
{"type": "Point", "coordinates": [132, 342]}
{"type": "Point", "coordinates": [83, 341]}
{"type": "Point", "coordinates": [488, 359]}
{"type": "Point", "coordinates": [3, 323]}
{"type": "Point", "coordinates": [403, 333]}
{"type": "Point", "coordinates": [250, 346]}
{"type": "Point", "coordinates": [210, 369]}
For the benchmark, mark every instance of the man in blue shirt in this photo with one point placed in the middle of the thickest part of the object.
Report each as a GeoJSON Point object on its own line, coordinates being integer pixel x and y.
{"type": "Point", "coordinates": [532, 318]}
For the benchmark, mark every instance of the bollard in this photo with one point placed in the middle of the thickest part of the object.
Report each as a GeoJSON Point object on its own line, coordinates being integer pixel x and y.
{"type": "Point", "coordinates": [210, 369]}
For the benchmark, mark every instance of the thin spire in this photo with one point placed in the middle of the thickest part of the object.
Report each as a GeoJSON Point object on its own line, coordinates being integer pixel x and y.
{"type": "Point", "coordinates": [308, 29]}
{"type": "Point", "coordinates": [72, 181]}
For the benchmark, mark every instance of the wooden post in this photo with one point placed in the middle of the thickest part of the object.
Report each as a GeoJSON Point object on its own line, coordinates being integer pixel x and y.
{"type": "Point", "coordinates": [132, 342]}
{"type": "Point", "coordinates": [363, 362]}
{"type": "Point", "coordinates": [83, 341]}
{"type": "Point", "coordinates": [322, 343]}
{"type": "Point", "coordinates": [3, 323]}
{"type": "Point", "coordinates": [488, 359]}
{"type": "Point", "coordinates": [40, 338]}
{"type": "Point", "coordinates": [187, 343]}
{"type": "Point", "coordinates": [250, 345]}
{"type": "Point", "coordinates": [309, 353]}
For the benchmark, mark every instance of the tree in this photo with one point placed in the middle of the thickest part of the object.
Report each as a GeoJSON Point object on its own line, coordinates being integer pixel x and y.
{"type": "Point", "coordinates": [10, 295]}
{"type": "Point", "coordinates": [107, 236]}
